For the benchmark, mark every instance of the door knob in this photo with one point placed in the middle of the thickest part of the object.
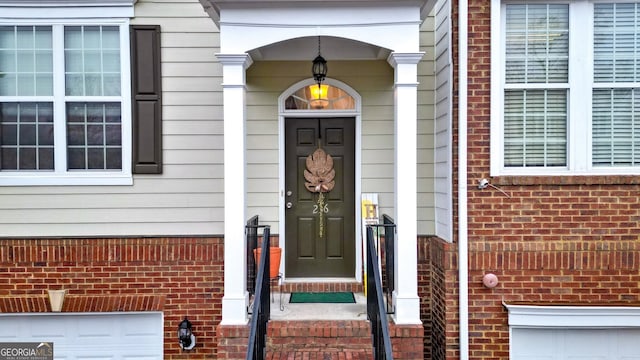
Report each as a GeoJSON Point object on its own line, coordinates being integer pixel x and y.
{"type": "Point", "coordinates": [289, 205]}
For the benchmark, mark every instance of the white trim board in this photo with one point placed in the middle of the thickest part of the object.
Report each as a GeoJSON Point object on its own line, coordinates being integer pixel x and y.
{"type": "Point", "coordinates": [559, 316]}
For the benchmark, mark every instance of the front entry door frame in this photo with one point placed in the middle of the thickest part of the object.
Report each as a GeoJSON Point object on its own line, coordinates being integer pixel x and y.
{"type": "Point", "coordinates": [356, 114]}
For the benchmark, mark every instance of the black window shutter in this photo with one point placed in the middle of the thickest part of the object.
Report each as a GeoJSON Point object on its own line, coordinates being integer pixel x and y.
{"type": "Point", "coordinates": [146, 102]}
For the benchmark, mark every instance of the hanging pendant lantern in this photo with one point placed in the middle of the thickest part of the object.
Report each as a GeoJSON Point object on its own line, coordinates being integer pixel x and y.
{"type": "Point", "coordinates": [319, 71]}
{"type": "Point", "coordinates": [319, 68]}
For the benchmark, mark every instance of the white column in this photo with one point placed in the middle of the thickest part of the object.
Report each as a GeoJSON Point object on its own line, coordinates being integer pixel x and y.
{"type": "Point", "coordinates": [236, 297]}
{"type": "Point", "coordinates": [405, 296]}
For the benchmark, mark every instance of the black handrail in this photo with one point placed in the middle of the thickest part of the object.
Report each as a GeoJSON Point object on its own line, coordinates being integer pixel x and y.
{"type": "Point", "coordinates": [261, 307]}
{"type": "Point", "coordinates": [251, 234]}
{"type": "Point", "coordinates": [375, 303]}
{"type": "Point", "coordinates": [389, 254]}
{"type": "Point", "coordinates": [389, 258]}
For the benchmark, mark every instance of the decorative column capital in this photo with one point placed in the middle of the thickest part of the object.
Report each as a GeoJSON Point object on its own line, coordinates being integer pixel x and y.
{"type": "Point", "coordinates": [235, 59]}
{"type": "Point", "coordinates": [396, 59]}
{"type": "Point", "coordinates": [234, 68]}
{"type": "Point", "coordinates": [406, 68]}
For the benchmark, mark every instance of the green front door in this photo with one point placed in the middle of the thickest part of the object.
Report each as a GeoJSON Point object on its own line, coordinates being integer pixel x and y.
{"type": "Point", "coordinates": [320, 228]}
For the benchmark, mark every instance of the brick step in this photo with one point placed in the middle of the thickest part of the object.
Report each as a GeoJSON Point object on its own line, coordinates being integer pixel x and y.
{"type": "Point", "coordinates": [337, 337]}
{"type": "Point", "coordinates": [320, 355]}
{"type": "Point", "coordinates": [289, 287]}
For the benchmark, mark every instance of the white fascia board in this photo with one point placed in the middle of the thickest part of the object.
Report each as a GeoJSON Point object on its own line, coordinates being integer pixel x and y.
{"type": "Point", "coordinates": [65, 3]}
{"type": "Point", "coordinates": [303, 16]}
{"type": "Point", "coordinates": [58, 9]}
{"type": "Point", "coordinates": [215, 8]}
{"type": "Point", "coordinates": [559, 316]}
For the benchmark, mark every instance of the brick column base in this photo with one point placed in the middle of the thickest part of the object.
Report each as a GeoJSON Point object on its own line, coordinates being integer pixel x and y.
{"type": "Point", "coordinates": [232, 341]}
{"type": "Point", "coordinates": [407, 341]}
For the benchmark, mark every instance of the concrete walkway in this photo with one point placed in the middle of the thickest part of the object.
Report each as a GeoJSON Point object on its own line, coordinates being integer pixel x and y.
{"type": "Point", "coordinates": [318, 311]}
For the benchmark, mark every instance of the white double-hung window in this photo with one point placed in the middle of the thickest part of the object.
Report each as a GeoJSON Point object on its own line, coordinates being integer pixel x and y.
{"type": "Point", "coordinates": [565, 88]}
{"type": "Point", "coordinates": [64, 102]}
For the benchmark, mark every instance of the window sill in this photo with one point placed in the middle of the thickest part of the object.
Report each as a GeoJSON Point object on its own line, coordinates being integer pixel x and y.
{"type": "Point", "coordinates": [559, 180]}
{"type": "Point", "coordinates": [65, 180]}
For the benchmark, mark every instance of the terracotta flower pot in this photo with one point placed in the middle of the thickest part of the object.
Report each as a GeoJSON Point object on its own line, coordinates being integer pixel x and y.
{"type": "Point", "coordinates": [274, 260]}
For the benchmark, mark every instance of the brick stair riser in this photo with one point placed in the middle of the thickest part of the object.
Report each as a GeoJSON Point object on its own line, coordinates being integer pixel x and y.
{"type": "Point", "coordinates": [319, 336]}
{"type": "Point", "coordinates": [320, 355]}
{"type": "Point", "coordinates": [316, 344]}
{"type": "Point", "coordinates": [289, 287]}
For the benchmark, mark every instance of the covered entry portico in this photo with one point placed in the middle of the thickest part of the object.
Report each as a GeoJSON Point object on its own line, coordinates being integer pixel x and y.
{"type": "Point", "coordinates": [391, 27]}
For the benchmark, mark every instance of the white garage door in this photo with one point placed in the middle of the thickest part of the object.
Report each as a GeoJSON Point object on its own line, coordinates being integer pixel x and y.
{"type": "Point", "coordinates": [102, 336]}
{"type": "Point", "coordinates": [573, 344]}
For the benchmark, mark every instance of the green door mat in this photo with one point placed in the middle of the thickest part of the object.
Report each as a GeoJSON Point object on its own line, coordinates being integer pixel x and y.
{"type": "Point", "coordinates": [324, 297]}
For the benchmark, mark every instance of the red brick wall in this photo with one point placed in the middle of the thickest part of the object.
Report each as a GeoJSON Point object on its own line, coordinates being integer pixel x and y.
{"type": "Point", "coordinates": [179, 276]}
{"type": "Point", "coordinates": [436, 258]}
{"type": "Point", "coordinates": [425, 281]}
{"type": "Point", "coordinates": [555, 240]}
{"type": "Point", "coordinates": [232, 341]}
{"type": "Point", "coordinates": [549, 244]}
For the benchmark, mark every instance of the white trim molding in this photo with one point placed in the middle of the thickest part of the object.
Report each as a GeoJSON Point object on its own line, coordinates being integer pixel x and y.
{"type": "Point", "coordinates": [67, 3]}
{"type": "Point", "coordinates": [560, 316]}
{"type": "Point", "coordinates": [66, 9]}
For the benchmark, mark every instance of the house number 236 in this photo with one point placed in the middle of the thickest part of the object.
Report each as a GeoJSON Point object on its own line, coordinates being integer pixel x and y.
{"type": "Point", "coordinates": [317, 208]}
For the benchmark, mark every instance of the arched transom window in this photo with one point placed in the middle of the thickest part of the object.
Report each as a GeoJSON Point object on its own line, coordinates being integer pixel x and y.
{"type": "Point", "coordinates": [320, 97]}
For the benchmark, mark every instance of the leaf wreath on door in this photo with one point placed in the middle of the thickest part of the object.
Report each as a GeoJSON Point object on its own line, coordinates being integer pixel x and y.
{"type": "Point", "coordinates": [320, 178]}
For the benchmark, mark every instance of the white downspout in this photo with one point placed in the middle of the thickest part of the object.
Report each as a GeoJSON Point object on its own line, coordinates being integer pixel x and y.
{"type": "Point", "coordinates": [463, 248]}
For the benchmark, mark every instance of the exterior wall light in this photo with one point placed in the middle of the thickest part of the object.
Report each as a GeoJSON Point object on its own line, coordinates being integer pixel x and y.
{"type": "Point", "coordinates": [185, 335]}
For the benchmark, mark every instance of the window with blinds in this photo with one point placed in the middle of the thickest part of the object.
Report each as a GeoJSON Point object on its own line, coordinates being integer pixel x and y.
{"type": "Point", "coordinates": [536, 85]}
{"type": "Point", "coordinates": [616, 93]}
{"type": "Point", "coordinates": [566, 88]}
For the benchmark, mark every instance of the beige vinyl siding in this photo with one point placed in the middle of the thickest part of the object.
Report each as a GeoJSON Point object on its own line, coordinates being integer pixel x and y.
{"type": "Point", "coordinates": [262, 140]}
{"type": "Point", "coordinates": [192, 120]}
{"type": "Point", "coordinates": [378, 139]}
{"type": "Point", "coordinates": [187, 199]}
{"type": "Point", "coordinates": [426, 136]}
{"type": "Point", "coordinates": [443, 123]}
